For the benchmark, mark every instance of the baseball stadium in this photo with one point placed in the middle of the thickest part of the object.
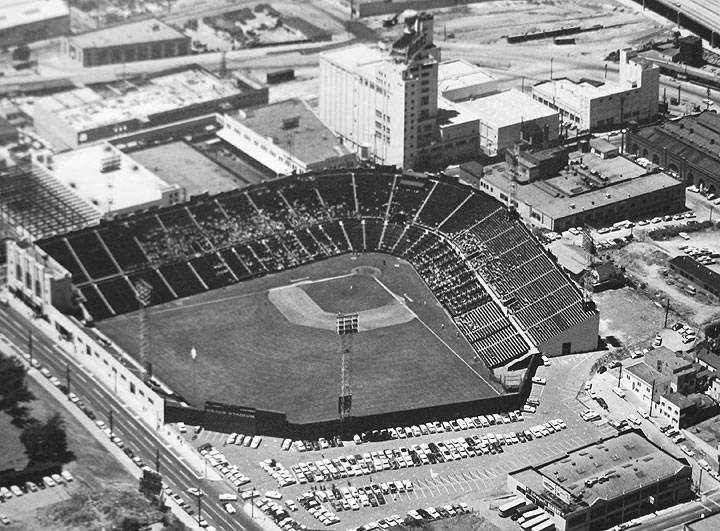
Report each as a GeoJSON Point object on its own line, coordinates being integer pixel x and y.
{"type": "Point", "coordinates": [452, 294]}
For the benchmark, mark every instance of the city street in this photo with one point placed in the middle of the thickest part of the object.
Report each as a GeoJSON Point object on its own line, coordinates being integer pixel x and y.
{"type": "Point", "coordinates": [136, 435]}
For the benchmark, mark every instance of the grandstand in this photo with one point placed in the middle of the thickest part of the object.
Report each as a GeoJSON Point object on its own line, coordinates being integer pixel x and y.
{"type": "Point", "coordinates": [499, 286]}
{"type": "Point", "coordinates": [37, 205]}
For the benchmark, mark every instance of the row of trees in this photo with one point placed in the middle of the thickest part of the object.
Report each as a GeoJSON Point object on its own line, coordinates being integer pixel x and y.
{"type": "Point", "coordinates": [45, 442]}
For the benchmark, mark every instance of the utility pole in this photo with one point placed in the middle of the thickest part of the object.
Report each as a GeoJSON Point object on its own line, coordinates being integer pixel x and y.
{"type": "Point", "coordinates": [652, 396]}
{"type": "Point", "coordinates": [667, 312]}
{"type": "Point", "coordinates": [157, 460]}
{"type": "Point", "coordinates": [67, 377]}
{"type": "Point", "coordinates": [111, 421]}
{"type": "Point", "coordinates": [620, 374]}
{"type": "Point", "coordinates": [551, 68]}
{"type": "Point", "coordinates": [30, 345]}
{"type": "Point", "coordinates": [199, 505]}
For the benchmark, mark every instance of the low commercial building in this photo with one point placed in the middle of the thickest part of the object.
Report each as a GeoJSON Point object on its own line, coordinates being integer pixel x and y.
{"type": "Point", "coordinates": [589, 105]}
{"type": "Point", "coordinates": [85, 115]}
{"type": "Point", "coordinates": [143, 40]}
{"type": "Point", "coordinates": [111, 181]}
{"type": "Point", "coordinates": [25, 21]}
{"type": "Point", "coordinates": [686, 147]}
{"type": "Point", "coordinates": [556, 190]}
{"type": "Point", "coordinates": [37, 278]}
{"type": "Point", "coordinates": [699, 274]}
{"type": "Point", "coordinates": [605, 483]}
{"type": "Point", "coordinates": [681, 411]}
{"type": "Point", "coordinates": [285, 137]}
{"type": "Point", "coordinates": [460, 80]}
{"type": "Point", "coordinates": [508, 117]}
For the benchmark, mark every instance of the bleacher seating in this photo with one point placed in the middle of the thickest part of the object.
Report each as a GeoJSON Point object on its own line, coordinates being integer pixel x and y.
{"type": "Point", "coordinates": [459, 241]}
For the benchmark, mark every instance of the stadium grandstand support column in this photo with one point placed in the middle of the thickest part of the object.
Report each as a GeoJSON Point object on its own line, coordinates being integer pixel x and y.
{"type": "Point", "coordinates": [499, 286]}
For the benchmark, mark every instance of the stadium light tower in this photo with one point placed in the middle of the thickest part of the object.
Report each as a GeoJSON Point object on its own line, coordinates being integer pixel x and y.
{"type": "Point", "coordinates": [144, 292]}
{"type": "Point", "coordinates": [346, 327]}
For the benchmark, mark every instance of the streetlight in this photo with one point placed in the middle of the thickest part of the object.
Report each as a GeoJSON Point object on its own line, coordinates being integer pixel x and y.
{"type": "Point", "coordinates": [30, 345]}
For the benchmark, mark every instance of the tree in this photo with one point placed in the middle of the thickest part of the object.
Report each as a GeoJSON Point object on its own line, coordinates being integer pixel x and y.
{"type": "Point", "coordinates": [150, 483]}
{"type": "Point", "coordinates": [21, 53]}
{"type": "Point", "coordinates": [130, 523]}
{"type": "Point", "coordinates": [13, 389]}
{"type": "Point", "coordinates": [46, 442]}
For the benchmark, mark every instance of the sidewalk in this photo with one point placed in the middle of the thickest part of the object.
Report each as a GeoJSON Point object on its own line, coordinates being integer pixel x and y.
{"type": "Point", "coordinates": [7, 347]}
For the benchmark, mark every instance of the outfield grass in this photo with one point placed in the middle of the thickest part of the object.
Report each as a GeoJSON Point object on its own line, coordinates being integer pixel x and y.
{"type": "Point", "coordinates": [249, 354]}
{"type": "Point", "coordinates": [348, 294]}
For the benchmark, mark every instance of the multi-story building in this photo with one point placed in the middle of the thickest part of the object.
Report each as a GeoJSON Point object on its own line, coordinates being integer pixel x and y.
{"type": "Point", "coordinates": [85, 115]}
{"type": "Point", "coordinates": [143, 40]}
{"type": "Point", "coordinates": [605, 483]}
{"type": "Point", "coordinates": [383, 103]}
{"type": "Point", "coordinates": [593, 106]}
{"type": "Point", "coordinates": [681, 411]}
{"type": "Point", "coordinates": [25, 21]}
{"type": "Point", "coordinates": [37, 278]}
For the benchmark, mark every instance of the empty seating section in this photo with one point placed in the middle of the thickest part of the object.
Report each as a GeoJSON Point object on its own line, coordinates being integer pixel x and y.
{"type": "Point", "coordinates": [60, 251]}
{"type": "Point", "coordinates": [119, 294]}
{"type": "Point", "coordinates": [453, 236]}
{"type": "Point", "coordinates": [443, 200]}
{"type": "Point", "coordinates": [92, 254]}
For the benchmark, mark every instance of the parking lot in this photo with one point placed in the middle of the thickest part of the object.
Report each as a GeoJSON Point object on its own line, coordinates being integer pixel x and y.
{"type": "Point", "coordinates": [479, 481]}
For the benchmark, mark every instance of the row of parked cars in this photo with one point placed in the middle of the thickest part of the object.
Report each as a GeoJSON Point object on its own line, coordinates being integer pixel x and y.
{"type": "Point", "coordinates": [280, 514]}
{"type": "Point", "coordinates": [429, 428]}
{"type": "Point", "coordinates": [417, 516]}
{"type": "Point", "coordinates": [352, 498]}
{"type": "Point", "coordinates": [417, 455]}
{"type": "Point", "coordinates": [278, 472]}
{"type": "Point", "coordinates": [248, 441]}
{"type": "Point", "coordinates": [218, 461]}
{"type": "Point", "coordinates": [50, 481]}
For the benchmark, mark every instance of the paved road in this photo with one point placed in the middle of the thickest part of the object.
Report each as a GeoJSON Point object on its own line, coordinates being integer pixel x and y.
{"type": "Point", "coordinates": [141, 439]}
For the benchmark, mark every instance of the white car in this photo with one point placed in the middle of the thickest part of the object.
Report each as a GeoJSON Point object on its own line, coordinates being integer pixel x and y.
{"type": "Point", "coordinates": [538, 380]}
{"type": "Point", "coordinates": [230, 508]}
{"type": "Point", "coordinates": [194, 491]}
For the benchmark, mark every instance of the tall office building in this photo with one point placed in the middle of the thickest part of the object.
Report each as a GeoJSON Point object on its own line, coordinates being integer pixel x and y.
{"type": "Point", "coordinates": [383, 102]}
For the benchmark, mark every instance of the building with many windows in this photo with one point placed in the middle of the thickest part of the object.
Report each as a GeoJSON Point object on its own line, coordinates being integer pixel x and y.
{"type": "Point", "coordinates": [383, 103]}
{"type": "Point", "coordinates": [590, 105]}
{"type": "Point", "coordinates": [605, 483]}
{"type": "Point", "coordinates": [686, 147]}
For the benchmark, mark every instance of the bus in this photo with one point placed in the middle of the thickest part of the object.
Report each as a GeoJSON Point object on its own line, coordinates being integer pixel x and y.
{"type": "Point", "coordinates": [547, 525]}
{"type": "Point", "coordinates": [529, 515]}
{"type": "Point", "coordinates": [522, 511]}
{"type": "Point", "coordinates": [510, 507]}
{"type": "Point", "coordinates": [527, 525]}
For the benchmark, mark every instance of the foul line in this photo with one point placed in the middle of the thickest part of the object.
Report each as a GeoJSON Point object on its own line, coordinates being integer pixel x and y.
{"type": "Point", "coordinates": [438, 337]}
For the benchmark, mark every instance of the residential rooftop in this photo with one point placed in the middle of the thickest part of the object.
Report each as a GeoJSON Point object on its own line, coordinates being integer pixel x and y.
{"type": "Point", "coordinates": [107, 178]}
{"type": "Point", "coordinates": [180, 163]}
{"type": "Point", "coordinates": [85, 109]}
{"type": "Point", "coordinates": [15, 13]}
{"type": "Point", "coordinates": [295, 128]}
{"type": "Point", "coordinates": [148, 30]}
{"type": "Point", "coordinates": [507, 108]}
{"type": "Point", "coordinates": [604, 470]}
{"type": "Point", "coordinates": [568, 194]}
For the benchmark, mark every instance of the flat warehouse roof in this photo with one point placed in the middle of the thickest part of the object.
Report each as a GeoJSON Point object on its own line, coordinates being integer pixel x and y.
{"type": "Point", "coordinates": [181, 164]}
{"type": "Point", "coordinates": [20, 12]}
{"type": "Point", "coordinates": [508, 108]}
{"type": "Point", "coordinates": [150, 30]}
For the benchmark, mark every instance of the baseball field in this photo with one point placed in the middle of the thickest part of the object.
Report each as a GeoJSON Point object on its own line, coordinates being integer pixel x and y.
{"type": "Point", "coordinates": [270, 343]}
